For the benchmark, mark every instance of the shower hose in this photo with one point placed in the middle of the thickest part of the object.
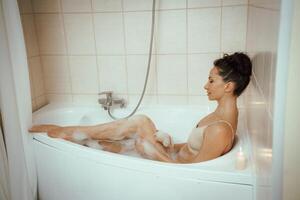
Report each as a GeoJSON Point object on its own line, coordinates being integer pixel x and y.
{"type": "Point", "coordinates": [148, 69]}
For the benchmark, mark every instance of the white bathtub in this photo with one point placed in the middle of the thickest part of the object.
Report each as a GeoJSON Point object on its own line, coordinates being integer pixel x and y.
{"type": "Point", "coordinates": [70, 171]}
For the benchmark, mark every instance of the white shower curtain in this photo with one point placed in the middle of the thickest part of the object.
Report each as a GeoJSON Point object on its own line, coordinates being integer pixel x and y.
{"type": "Point", "coordinates": [15, 103]}
{"type": "Point", "coordinates": [4, 184]}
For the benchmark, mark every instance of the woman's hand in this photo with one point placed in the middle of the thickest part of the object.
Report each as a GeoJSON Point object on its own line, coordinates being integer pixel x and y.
{"type": "Point", "coordinates": [165, 139]}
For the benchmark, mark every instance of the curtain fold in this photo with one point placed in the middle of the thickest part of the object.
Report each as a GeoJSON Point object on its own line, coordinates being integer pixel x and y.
{"type": "Point", "coordinates": [4, 184]}
{"type": "Point", "coordinates": [15, 103]}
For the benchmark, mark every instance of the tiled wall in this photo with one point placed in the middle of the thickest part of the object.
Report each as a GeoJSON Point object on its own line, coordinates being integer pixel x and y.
{"type": "Point", "coordinates": [38, 92]}
{"type": "Point", "coordinates": [78, 48]}
{"type": "Point", "coordinates": [88, 46]}
{"type": "Point", "coordinates": [262, 35]}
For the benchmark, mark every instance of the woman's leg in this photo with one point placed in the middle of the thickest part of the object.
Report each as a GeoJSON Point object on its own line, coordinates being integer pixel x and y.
{"type": "Point", "coordinates": [118, 130]}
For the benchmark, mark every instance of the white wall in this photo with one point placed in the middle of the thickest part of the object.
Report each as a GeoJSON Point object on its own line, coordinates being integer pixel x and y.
{"type": "Point", "coordinates": [291, 165]}
{"type": "Point", "coordinates": [94, 45]}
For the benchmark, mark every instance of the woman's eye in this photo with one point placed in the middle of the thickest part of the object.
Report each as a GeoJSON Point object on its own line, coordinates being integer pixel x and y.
{"type": "Point", "coordinates": [211, 81]}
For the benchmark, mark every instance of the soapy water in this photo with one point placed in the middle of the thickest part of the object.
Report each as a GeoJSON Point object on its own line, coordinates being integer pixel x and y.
{"type": "Point", "coordinates": [128, 145]}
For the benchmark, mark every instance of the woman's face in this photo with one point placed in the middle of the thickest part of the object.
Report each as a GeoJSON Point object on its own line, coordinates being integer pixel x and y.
{"type": "Point", "coordinates": [215, 86]}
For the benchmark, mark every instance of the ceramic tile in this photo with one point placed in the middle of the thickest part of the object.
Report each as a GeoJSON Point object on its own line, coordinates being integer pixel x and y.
{"type": "Point", "coordinates": [31, 81]}
{"type": "Point", "coordinates": [203, 3]}
{"type": "Point", "coordinates": [30, 36]}
{"type": "Point", "coordinates": [234, 28]}
{"type": "Point", "coordinates": [59, 98]}
{"type": "Point", "coordinates": [262, 22]}
{"type": "Point", "coordinates": [137, 32]}
{"type": "Point", "coordinates": [56, 74]}
{"type": "Point", "coordinates": [33, 105]}
{"type": "Point", "coordinates": [57, 85]}
{"type": "Point", "coordinates": [79, 34]}
{"type": "Point", "coordinates": [46, 6]}
{"type": "Point", "coordinates": [170, 4]}
{"type": "Point", "coordinates": [171, 74]}
{"type": "Point", "coordinates": [76, 5]}
{"type": "Point", "coordinates": [85, 99]}
{"type": "Point", "coordinates": [112, 74]}
{"type": "Point", "coordinates": [137, 64]}
{"type": "Point", "coordinates": [234, 2]}
{"type": "Point", "coordinates": [204, 30]}
{"type": "Point", "coordinates": [271, 4]}
{"type": "Point", "coordinates": [37, 76]}
{"type": "Point", "coordinates": [147, 100]}
{"type": "Point", "coordinates": [41, 101]}
{"type": "Point", "coordinates": [25, 6]}
{"type": "Point", "coordinates": [50, 34]}
{"type": "Point", "coordinates": [84, 74]}
{"type": "Point", "coordinates": [109, 33]}
{"type": "Point", "coordinates": [171, 32]}
{"type": "Point", "coordinates": [137, 5]}
{"type": "Point", "coordinates": [107, 5]}
{"type": "Point", "coordinates": [199, 66]}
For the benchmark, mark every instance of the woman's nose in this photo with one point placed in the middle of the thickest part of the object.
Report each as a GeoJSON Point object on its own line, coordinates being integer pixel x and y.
{"type": "Point", "coordinates": [205, 86]}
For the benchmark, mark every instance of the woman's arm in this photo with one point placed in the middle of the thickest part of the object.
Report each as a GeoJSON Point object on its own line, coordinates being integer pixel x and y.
{"type": "Point", "coordinates": [178, 146]}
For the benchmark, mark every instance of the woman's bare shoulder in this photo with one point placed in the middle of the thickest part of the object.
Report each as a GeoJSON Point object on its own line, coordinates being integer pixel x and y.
{"type": "Point", "coordinates": [219, 131]}
{"type": "Point", "coordinates": [208, 119]}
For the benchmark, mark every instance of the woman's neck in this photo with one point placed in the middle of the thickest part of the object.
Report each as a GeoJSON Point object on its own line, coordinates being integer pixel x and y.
{"type": "Point", "coordinates": [226, 106]}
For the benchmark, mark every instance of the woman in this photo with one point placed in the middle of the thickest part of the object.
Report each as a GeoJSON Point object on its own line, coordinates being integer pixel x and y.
{"type": "Point", "coordinates": [212, 137]}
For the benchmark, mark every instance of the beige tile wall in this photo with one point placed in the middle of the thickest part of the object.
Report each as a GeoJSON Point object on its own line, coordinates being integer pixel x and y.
{"type": "Point", "coordinates": [77, 48]}
{"type": "Point", "coordinates": [262, 34]}
{"type": "Point", "coordinates": [87, 46]}
{"type": "Point", "coordinates": [38, 92]}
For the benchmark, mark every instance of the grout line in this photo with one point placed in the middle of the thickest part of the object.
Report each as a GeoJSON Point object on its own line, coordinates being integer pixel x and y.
{"type": "Point", "coordinates": [95, 48]}
{"type": "Point", "coordinates": [221, 28]}
{"type": "Point", "coordinates": [187, 52]}
{"type": "Point", "coordinates": [131, 54]}
{"type": "Point", "coordinates": [61, 14]}
{"type": "Point", "coordinates": [39, 50]}
{"type": "Point", "coordinates": [247, 27]}
{"type": "Point", "coordinates": [154, 53]}
{"type": "Point", "coordinates": [270, 9]}
{"type": "Point", "coordinates": [125, 50]}
{"type": "Point", "coordinates": [132, 11]}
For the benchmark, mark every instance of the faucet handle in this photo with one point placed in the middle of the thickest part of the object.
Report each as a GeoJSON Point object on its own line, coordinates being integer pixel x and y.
{"type": "Point", "coordinates": [107, 93]}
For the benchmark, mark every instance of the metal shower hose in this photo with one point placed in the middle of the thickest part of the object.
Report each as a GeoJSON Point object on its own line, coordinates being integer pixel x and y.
{"type": "Point", "coordinates": [148, 68]}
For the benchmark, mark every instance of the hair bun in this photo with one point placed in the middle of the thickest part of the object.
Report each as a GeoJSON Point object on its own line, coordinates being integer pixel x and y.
{"type": "Point", "coordinates": [241, 64]}
{"type": "Point", "coordinates": [237, 68]}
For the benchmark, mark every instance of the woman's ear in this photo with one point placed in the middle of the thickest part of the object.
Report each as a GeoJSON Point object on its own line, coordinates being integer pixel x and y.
{"type": "Point", "coordinates": [229, 87]}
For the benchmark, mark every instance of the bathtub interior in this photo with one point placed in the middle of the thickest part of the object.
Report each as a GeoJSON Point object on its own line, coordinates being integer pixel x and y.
{"type": "Point", "coordinates": [177, 121]}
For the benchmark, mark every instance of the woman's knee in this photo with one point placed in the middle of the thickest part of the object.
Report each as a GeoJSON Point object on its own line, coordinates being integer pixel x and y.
{"type": "Point", "coordinates": [139, 119]}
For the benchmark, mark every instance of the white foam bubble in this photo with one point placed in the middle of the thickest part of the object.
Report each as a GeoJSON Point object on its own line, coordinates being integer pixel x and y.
{"type": "Point", "coordinates": [149, 149]}
{"type": "Point", "coordinates": [93, 144]}
{"type": "Point", "coordinates": [128, 144]}
{"type": "Point", "coordinates": [79, 136]}
{"type": "Point", "coordinates": [163, 137]}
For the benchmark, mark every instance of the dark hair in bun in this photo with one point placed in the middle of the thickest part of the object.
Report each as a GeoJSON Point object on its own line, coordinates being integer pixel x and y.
{"type": "Point", "coordinates": [237, 68]}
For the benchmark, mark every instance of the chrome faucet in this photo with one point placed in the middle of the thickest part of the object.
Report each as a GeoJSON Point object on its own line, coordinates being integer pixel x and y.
{"type": "Point", "coordinates": [109, 101]}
